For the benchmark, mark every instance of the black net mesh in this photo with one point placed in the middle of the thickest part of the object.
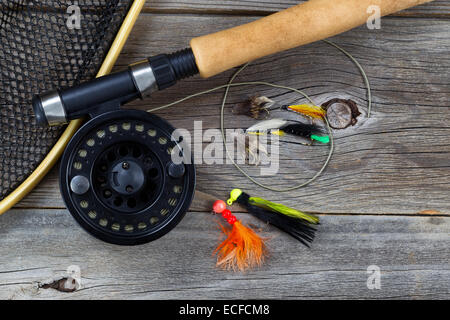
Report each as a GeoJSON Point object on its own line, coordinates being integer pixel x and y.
{"type": "Point", "coordinates": [42, 47]}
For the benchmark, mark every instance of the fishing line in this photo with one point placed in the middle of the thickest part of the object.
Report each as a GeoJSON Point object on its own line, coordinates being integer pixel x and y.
{"type": "Point", "coordinates": [300, 92]}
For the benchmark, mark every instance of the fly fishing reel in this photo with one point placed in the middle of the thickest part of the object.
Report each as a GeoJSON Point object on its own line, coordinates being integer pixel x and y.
{"type": "Point", "coordinates": [124, 176]}
{"type": "Point", "coordinates": [118, 179]}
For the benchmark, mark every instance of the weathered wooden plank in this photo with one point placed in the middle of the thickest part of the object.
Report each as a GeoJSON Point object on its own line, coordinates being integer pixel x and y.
{"type": "Point", "coordinates": [437, 8]}
{"type": "Point", "coordinates": [396, 162]}
{"type": "Point", "coordinates": [412, 253]}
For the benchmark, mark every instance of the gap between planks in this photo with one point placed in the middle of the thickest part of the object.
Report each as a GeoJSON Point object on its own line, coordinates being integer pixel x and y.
{"type": "Point", "coordinates": [202, 201]}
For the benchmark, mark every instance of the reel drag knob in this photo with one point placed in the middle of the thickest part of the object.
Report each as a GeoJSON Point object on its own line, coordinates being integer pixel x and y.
{"type": "Point", "coordinates": [127, 177]}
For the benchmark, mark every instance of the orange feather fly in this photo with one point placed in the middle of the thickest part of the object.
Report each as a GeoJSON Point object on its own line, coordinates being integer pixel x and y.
{"type": "Point", "coordinates": [243, 249]}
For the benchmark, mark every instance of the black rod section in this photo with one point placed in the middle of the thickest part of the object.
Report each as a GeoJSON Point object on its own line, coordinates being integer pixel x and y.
{"type": "Point", "coordinates": [112, 91]}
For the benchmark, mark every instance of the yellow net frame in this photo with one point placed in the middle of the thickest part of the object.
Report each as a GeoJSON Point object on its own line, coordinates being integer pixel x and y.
{"type": "Point", "coordinates": [55, 153]}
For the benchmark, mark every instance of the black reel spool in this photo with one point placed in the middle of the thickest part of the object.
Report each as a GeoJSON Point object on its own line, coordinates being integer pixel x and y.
{"type": "Point", "coordinates": [118, 179]}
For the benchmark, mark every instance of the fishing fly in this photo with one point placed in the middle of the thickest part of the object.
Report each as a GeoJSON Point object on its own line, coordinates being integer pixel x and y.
{"type": "Point", "coordinates": [243, 248]}
{"type": "Point", "coordinates": [281, 127]}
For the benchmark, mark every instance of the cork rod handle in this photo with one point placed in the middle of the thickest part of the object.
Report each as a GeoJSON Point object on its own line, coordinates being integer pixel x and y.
{"type": "Point", "coordinates": [302, 24]}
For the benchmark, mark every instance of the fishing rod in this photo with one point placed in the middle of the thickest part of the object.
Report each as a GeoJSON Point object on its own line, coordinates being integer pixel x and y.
{"type": "Point", "coordinates": [117, 176]}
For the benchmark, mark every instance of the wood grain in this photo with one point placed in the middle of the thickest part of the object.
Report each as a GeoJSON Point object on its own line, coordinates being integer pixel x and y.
{"type": "Point", "coordinates": [384, 196]}
{"type": "Point", "coordinates": [412, 253]}
{"type": "Point", "coordinates": [396, 162]}
{"type": "Point", "coordinates": [437, 8]}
